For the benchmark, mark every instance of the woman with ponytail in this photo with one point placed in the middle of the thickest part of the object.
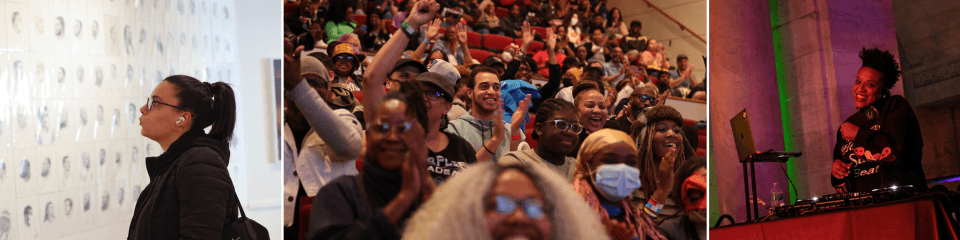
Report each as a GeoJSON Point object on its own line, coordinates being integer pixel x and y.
{"type": "Point", "coordinates": [190, 194]}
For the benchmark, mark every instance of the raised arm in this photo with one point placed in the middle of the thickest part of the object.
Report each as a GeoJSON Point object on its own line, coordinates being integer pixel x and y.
{"type": "Point", "coordinates": [462, 37]}
{"type": "Point", "coordinates": [390, 53]}
{"type": "Point", "coordinates": [432, 31]}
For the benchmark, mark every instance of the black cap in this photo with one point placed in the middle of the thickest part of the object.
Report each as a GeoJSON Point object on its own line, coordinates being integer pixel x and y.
{"type": "Point", "coordinates": [438, 81]}
{"type": "Point", "coordinates": [636, 22]}
{"type": "Point", "coordinates": [596, 66]}
{"type": "Point", "coordinates": [492, 61]}
{"type": "Point", "coordinates": [410, 62]}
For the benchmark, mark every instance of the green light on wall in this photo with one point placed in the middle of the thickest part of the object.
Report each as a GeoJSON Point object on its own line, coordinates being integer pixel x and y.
{"type": "Point", "coordinates": [783, 88]}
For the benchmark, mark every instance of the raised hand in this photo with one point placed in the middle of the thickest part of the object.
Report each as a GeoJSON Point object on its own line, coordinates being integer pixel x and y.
{"type": "Point", "coordinates": [462, 33]}
{"type": "Point", "coordinates": [433, 29]}
{"type": "Point", "coordinates": [517, 119]}
{"type": "Point", "coordinates": [422, 13]}
{"type": "Point", "coordinates": [414, 164]}
{"type": "Point", "coordinates": [498, 128]}
{"type": "Point", "coordinates": [291, 60]}
{"type": "Point", "coordinates": [527, 33]}
{"type": "Point", "coordinates": [551, 39]}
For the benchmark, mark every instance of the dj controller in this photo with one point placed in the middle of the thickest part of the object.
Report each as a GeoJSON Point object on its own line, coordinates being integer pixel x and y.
{"type": "Point", "coordinates": [844, 200]}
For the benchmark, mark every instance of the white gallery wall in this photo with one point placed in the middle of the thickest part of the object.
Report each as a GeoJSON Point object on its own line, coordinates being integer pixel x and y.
{"type": "Point", "coordinates": [73, 75]}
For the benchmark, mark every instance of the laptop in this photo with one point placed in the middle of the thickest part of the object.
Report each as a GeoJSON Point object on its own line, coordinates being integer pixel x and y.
{"type": "Point", "coordinates": [742, 135]}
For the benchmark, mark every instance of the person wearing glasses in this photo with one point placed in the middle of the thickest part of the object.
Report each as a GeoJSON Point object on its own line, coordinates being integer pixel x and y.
{"type": "Point", "coordinates": [492, 201]}
{"type": "Point", "coordinates": [605, 177]}
{"type": "Point", "coordinates": [633, 116]}
{"type": "Point", "coordinates": [557, 129]}
{"type": "Point", "coordinates": [345, 62]}
{"type": "Point", "coordinates": [376, 203]}
{"type": "Point", "coordinates": [449, 154]}
{"type": "Point", "coordinates": [190, 195]}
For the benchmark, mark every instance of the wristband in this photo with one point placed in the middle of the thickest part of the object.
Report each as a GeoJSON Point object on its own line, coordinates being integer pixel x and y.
{"type": "Point", "coordinates": [408, 30]}
{"type": "Point", "coordinates": [517, 137]}
{"type": "Point", "coordinates": [488, 150]}
{"type": "Point", "coordinates": [426, 41]}
{"type": "Point", "coordinates": [653, 208]}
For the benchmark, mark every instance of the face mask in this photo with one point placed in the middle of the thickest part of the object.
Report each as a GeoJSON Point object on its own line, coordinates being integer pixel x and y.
{"type": "Point", "coordinates": [694, 182]}
{"type": "Point", "coordinates": [617, 181]}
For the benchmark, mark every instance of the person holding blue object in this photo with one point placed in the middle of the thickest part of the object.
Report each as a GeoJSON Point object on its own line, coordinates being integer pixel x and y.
{"type": "Point", "coordinates": [484, 127]}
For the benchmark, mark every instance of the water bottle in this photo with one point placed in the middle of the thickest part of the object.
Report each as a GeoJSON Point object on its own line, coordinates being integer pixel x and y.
{"type": "Point", "coordinates": [776, 196]}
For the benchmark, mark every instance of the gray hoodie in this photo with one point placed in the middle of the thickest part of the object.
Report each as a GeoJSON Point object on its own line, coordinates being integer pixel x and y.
{"type": "Point", "coordinates": [477, 132]}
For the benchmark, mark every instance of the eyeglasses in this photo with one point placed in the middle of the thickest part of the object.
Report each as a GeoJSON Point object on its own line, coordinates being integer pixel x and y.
{"type": "Point", "coordinates": [505, 205]}
{"type": "Point", "coordinates": [652, 100]}
{"type": "Point", "coordinates": [434, 95]}
{"type": "Point", "coordinates": [151, 103]}
{"type": "Point", "coordinates": [401, 127]}
{"type": "Point", "coordinates": [563, 125]}
{"type": "Point", "coordinates": [342, 57]}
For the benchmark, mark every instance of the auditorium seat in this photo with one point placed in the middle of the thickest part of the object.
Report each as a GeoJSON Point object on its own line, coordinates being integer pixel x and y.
{"type": "Point", "coordinates": [496, 43]}
{"type": "Point", "coordinates": [540, 30]}
{"type": "Point", "coordinates": [501, 12]}
{"type": "Point", "coordinates": [360, 19]}
{"type": "Point", "coordinates": [474, 39]}
{"type": "Point", "coordinates": [480, 54]}
{"type": "Point", "coordinates": [389, 24]}
{"type": "Point", "coordinates": [305, 204]}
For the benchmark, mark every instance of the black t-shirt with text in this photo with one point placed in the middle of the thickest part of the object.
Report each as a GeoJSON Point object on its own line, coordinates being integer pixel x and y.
{"type": "Point", "coordinates": [451, 160]}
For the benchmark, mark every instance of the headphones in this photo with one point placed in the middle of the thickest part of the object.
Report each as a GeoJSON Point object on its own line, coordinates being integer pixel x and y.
{"type": "Point", "coordinates": [181, 120]}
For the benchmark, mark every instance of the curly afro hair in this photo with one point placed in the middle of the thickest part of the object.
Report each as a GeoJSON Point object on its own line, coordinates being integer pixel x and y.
{"type": "Point", "coordinates": [883, 62]}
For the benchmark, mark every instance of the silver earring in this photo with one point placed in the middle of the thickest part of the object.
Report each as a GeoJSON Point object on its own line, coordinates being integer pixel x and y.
{"type": "Point", "coordinates": [181, 120]}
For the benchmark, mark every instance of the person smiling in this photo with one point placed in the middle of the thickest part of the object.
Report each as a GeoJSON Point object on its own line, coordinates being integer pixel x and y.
{"type": "Point", "coordinates": [190, 195]}
{"type": "Point", "coordinates": [881, 145]}
{"type": "Point", "coordinates": [491, 201]}
{"type": "Point", "coordinates": [663, 149]}
{"type": "Point", "coordinates": [557, 128]}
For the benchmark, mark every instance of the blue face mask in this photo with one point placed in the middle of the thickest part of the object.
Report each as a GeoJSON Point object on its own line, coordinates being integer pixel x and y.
{"type": "Point", "coordinates": [616, 181]}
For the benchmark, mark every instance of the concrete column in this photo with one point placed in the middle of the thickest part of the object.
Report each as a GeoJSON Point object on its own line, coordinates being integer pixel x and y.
{"type": "Point", "coordinates": [742, 75]}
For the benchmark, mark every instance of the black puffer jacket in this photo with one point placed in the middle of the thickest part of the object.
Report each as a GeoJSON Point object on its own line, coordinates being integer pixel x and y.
{"type": "Point", "coordinates": [189, 195]}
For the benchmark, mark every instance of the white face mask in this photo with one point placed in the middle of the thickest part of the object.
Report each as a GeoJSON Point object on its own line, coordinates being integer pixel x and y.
{"type": "Point", "coordinates": [616, 181]}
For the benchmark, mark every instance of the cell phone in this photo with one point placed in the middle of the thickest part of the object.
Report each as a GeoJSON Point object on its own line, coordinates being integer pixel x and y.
{"type": "Point", "coordinates": [363, 28]}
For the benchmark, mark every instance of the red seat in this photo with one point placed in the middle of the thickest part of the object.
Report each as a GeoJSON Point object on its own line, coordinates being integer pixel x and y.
{"type": "Point", "coordinates": [507, 2]}
{"type": "Point", "coordinates": [479, 54]}
{"type": "Point", "coordinates": [701, 152]}
{"type": "Point", "coordinates": [501, 12]}
{"type": "Point", "coordinates": [702, 141]}
{"type": "Point", "coordinates": [360, 19]}
{"type": "Point", "coordinates": [540, 30]}
{"type": "Point", "coordinates": [474, 39]}
{"type": "Point", "coordinates": [442, 33]}
{"type": "Point", "coordinates": [389, 24]}
{"type": "Point", "coordinates": [495, 42]}
{"type": "Point", "coordinates": [305, 204]}
{"type": "Point", "coordinates": [529, 131]}
{"type": "Point", "coordinates": [535, 47]}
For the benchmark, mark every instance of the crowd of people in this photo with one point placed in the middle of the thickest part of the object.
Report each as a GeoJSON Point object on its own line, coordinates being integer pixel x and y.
{"type": "Point", "coordinates": [385, 139]}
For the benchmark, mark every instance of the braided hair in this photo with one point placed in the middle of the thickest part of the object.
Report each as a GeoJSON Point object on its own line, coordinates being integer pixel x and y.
{"type": "Point", "coordinates": [210, 103]}
{"type": "Point", "coordinates": [548, 109]}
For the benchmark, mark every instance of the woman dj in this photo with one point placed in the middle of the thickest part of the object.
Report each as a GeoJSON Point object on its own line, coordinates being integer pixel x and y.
{"type": "Point", "coordinates": [880, 146]}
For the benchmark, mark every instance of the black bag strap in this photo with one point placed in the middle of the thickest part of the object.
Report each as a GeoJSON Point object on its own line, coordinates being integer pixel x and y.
{"type": "Point", "coordinates": [243, 215]}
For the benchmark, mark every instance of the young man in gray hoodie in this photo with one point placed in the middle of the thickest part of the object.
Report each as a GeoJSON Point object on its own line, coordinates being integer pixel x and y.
{"type": "Point", "coordinates": [483, 127]}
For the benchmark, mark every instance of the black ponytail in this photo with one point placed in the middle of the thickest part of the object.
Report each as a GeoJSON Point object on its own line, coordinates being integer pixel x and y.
{"type": "Point", "coordinates": [210, 103]}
